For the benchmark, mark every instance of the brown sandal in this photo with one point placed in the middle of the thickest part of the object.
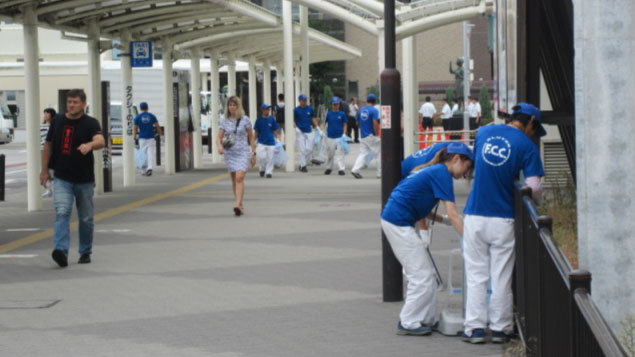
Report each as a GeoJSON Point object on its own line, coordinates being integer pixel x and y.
{"type": "Point", "coordinates": [238, 211]}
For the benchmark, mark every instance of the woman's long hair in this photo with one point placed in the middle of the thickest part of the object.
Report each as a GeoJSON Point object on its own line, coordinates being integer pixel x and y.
{"type": "Point", "coordinates": [239, 107]}
{"type": "Point", "coordinates": [441, 157]}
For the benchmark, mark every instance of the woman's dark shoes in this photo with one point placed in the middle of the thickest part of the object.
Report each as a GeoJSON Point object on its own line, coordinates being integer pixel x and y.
{"type": "Point", "coordinates": [238, 211]}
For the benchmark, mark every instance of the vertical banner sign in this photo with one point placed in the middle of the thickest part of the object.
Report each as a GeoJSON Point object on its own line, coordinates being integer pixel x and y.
{"type": "Point", "coordinates": [386, 120]}
{"type": "Point", "coordinates": [141, 53]}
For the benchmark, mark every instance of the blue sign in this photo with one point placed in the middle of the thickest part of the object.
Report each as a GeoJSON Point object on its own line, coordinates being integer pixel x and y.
{"type": "Point", "coordinates": [141, 53]}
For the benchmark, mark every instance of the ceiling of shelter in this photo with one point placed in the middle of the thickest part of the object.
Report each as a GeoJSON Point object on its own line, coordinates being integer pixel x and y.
{"type": "Point", "coordinates": [236, 27]}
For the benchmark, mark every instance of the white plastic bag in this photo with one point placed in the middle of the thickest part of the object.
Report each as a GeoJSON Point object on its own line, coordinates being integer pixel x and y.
{"type": "Point", "coordinates": [279, 156]}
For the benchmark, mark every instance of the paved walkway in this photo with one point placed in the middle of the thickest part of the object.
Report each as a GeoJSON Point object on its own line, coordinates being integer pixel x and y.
{"type": "Point", "coordinates": [174, 273]}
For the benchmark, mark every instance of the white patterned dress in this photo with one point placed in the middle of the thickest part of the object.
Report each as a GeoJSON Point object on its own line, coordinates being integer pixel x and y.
{"type": "Point", "coordinates": [237, 157]}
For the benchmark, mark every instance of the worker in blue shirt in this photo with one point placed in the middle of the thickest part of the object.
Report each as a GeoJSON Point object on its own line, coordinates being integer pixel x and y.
{"type": "Point", "coordinates": [145, 124]}
{"type": "Point", "coordinates": [336, 121]}
{"type": "Point", "coordinates": [304, 121]}
{"type": "Point", "coordinates": [265, 129]}
{"type": "Point", "coordinates": [502, 152]}
{"type": "Point", "coordinates": [420, 157]}
{"type": "Point", "coordinates": [410, 203]}
{"type": "Point", "coordinates": [368, 119]}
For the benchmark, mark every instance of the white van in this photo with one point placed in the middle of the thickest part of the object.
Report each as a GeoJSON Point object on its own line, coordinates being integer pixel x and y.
{"type": "Point", "coordinates": [6, 124]}
{"type": "Point", "coordinates": [116, 126]}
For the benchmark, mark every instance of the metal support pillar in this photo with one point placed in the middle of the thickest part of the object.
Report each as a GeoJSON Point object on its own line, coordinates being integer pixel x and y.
{"type": "Point", "coordinates": [297, 83]}
{"type": "Point", "coordinates": [390, 149]}
{"type": "Point", "coordinates": [467, 29]}
{"type": "Point", "coordinates": [279, 80]}
{"type": "Point", "coordinates": [32, 108]}
{"type": "Point", "coordinates": [94, 98]}
{"type": "Point", "coordinates": [304, 51]}
{"type": "Point", "coordinates": [215, 106]}
{"type": "Point", "coordinates": [266, 83]}
{"type": "Point", "coordinates": [231, 76]}
{"type": "Point", "coordinates": [289, 99]}
{"type": "Point", "coordinates": [197, 140]}
{"type": "Point", "coordinates": [168, 105]}
{"type": "Point", "coordinates": [381, 53]}
{"type": "Point", "coordinates": [253, 90]}
{"type": "Point", "coordinates": [126, 113]}
{"type": "Point", "coordinates": [410, 93]}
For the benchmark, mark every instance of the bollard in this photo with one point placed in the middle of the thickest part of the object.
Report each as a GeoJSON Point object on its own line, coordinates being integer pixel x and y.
{"type": "Point", "coordinates": [157, 141]}
{"type": "Point", "coordinates": [209, 140]}
{"type": "Point", "coordinates": [1, 177]}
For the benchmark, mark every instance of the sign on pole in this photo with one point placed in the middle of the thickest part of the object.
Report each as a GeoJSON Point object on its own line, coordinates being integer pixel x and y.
{"type": "Point", "coordinates": [386, 114]}
{"type": "Point", "coordinates": [141, 53]}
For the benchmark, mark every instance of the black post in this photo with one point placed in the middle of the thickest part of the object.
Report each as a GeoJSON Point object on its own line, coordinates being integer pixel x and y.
{"type": "Point", "coordinates": [391, 154]}
{"type": "Point", "coordinates": [157, 141]}
{"type": "Point", "coordinates": [578, 279]}
{"type": "Point", "coordinates": [105, 129]}
{"type": "Point", "coordinates": [1, 177]}
{"type": "Point", "coordinates": [177, 128]}
{"type": "Point", "coordinates": [209, 140]}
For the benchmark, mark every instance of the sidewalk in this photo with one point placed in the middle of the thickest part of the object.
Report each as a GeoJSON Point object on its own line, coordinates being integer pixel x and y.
{"type": "Point", "coordinates": [174, 273]}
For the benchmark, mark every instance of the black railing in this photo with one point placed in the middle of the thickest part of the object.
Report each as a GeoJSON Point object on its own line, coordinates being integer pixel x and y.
{"type": "Point", "coordinates": [555, 314]}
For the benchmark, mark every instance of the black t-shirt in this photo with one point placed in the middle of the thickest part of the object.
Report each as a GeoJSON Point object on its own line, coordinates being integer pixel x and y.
{"type": "Point", "coordinates": [279, 115]}
{"type": "Point", "coordinates": [66, 136]}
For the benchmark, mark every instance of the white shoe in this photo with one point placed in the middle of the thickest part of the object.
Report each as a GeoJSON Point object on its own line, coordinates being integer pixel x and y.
{"type": "Point", "coordinates": [47, 193]}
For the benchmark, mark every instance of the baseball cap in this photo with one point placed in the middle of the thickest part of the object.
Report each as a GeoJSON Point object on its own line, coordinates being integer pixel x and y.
{"type": "Point", "coordinates": [371, 98]}
{"type": "Point", "coordinates": [460, 148]}
{"type": "Point", "coordinates": [143, 105]}
{"type": "Point", "coordinates": [335, 100]}
{"type": "Point", "coordinates": [264, 106]}
{"type": "Point", "coordinates": [531, 110]}
{"type": "Point", "coordinates": [302, 97]}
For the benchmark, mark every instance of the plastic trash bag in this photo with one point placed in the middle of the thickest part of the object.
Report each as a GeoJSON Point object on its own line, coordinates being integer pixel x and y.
{"type": "Point", "coordinates": [140, 159]}
{"type": "Point", "coordinates": [279, 156]}
{"type": "Point", "coordinates": [319, 149]}
{"type": "Point", "coordinates": [343, 144]}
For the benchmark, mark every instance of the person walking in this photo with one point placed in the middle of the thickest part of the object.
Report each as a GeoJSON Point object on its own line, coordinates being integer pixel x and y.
{"type": "Point", "coordinates": [426, 114]}
{"type": "Point", "coordinates": [368, 121]}
{"type": "Point", "coordinates": [49, 114]}
{"type": "Point", "coordinates": [455, 106]}
{"type": "Point", "coordinates": [335, 128]}
{"type": "Point", "coordinates": [265, 129]}
{"type": "Point", "coordinates": [446, 115]}
{"type": "Point", "coordinates": [409, 204]}
{"type": "Point", "coordinates": [502, 151]}
{"type": "Point", "coordinates": [304, 121]}
{"type": "Point", "coordinates": [278, 112]}
{"type": "Point", "coordinates": [241, 153]}
{"type": "Point", "coordinates": [145, 124]}
{"type": "Point", "coordinates": [352, 128]}
{"type": "Point", "coordinates": [68, 151]}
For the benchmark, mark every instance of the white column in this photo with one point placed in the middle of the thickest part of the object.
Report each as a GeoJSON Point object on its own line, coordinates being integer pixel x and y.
{"type": "Point", "coordinates": [304, 51]}
{"type": "Point", "coordinates": [168, 105]}
{"type": "Point", "coordinates": [289, 99]}
{"type": "Point", "coordinates": [410, 93]}
{"type": "Point", "coordinates": [381, 62]}
{"type": "Point", "coordinates": [127, 113]}
{"type": "Point", "coordinates": [231, 76]}
{"type": "Point", "coordinates": [253, 90]}
{"type": "Point", "coordinates": [466, 78]}
{"type": "Point", "coordinates": [279, 80]}
{"type": "Point", "coordinates": [215, 106]}
{"type": "Point", "coordinates": [94, 97]}
{"type": "Point", "coordinates": [604, 107]}
{"type": "Point", "coordinates": [197, 141]}
{"type": "Point", "coordinates": [298, 84]}
{"type": "Point", "coordinates": [32, 108]}
{"type": "Point", "coordinates": [266, 83]}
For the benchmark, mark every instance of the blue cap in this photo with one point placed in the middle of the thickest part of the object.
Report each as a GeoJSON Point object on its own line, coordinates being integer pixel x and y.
{"type": "Point", "coordinates": [371, 98]}
{"type": "Point", "coordinates": [265, 106]}
{"type": "Point", "coordinates": [335, 100]}
{"type": "Point", "coordinates": [532, 110]}
{"type": "Point", "coordinates": [460, 148]}
{"type": "Point", "coordinates": [143, 106]}
{"type": "Point", "coordinates": [302, 97]}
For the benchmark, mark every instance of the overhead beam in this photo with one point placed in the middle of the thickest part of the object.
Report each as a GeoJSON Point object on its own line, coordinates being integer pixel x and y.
{"type": "Point", "coordinates": [340, 13]}
{"type": "Point", "coordinates": [434, 21]}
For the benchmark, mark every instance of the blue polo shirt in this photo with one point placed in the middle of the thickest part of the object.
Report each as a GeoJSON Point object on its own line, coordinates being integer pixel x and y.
{"type": "Point", "coordinates": [420, 157]}
{"type": "Point", "coordinates": [145, 121]}
{"type": "Point", "coordinates": [501, 152]}
{"type": "Point", "coordinates": [416, 195]}
{"type": "Point", "coordinates": [335, 124]}
{"type": "Point", "coordinates": [302, 118]}
{"type": "Point", "coordinates": [365, 117]}
{"type": "Point", "coordinates": [265, 128]}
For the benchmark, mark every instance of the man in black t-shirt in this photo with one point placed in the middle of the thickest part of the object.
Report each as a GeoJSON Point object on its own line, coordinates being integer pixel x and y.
{"type": "Point", "coordinates": [68, 151]}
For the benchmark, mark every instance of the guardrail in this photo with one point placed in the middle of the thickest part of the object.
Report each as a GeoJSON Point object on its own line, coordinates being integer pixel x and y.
{"type": "Point", "coordinates": [555, 314]}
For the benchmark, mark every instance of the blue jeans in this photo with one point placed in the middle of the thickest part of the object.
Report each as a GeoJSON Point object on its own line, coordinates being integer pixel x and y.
{"type": "Point", "coordinates": [63, 194]}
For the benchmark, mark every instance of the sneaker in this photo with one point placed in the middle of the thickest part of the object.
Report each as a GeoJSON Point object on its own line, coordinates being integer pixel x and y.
{"type": "Point", "coordinates": [60, 258]}
{"type": "Point", "coordinates": [303, 169]}
{"type": "Point", "coordinates": [419, 331]}
{"type": "Point", "coordinates": [341, 173]}
{"type": "Point", "coordinates": [356, 175]}
{"type": "Point", "coordinates": [269, 176]}
{"type": "Point", "coordinates": [499, 337]}
{"type": "Point", "coordinates": [149, 173]}
{"type": "Point", "coordinates": [478, 336]}
{"type": "Point", "coordinates": [84, 258]}
{"type": "Point", "coordinates": [262, 174]}
{"type": "Point", "coordinates": [328, 171]}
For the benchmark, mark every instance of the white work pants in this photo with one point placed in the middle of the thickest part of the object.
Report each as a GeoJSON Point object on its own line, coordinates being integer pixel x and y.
{"type": "Point", "coordinates": [147, 146]}
{"type": "Point", "coordinates": [368, 144]}
{"type": "Point", "coordinates": [264, 155]}
{"type": "Point", "coordinates": [334, 153]}
{"type": "Point", "coordinates": [421, 295]}
{"type": "Point", "coordinates": [488, 252]}
{"type": "Point", "coordinates": [305, 146]}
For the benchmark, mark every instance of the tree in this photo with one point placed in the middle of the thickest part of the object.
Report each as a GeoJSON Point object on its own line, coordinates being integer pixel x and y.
{"type": "Point", "coordinates": [486, 105]}
{"type": "Point", "coordinates": [449, 94]}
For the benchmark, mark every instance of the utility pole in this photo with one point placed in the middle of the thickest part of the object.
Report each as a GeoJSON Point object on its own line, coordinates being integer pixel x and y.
{"type": "Point", "coordinates": [467, 30]}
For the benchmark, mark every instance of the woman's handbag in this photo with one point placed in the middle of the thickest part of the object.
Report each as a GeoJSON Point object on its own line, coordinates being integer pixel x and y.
{"type": "Point", "coordinates": [229, 139]}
